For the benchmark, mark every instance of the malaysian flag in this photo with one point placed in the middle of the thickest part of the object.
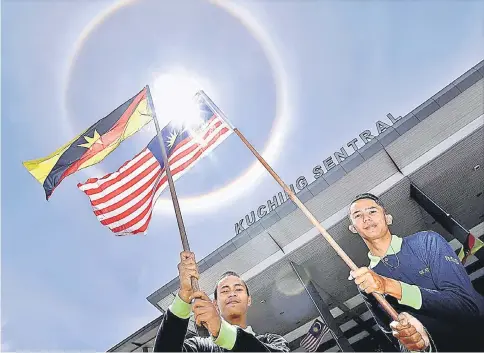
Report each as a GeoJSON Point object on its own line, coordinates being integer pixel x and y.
{"type": "Point", "coordinates": [124, 200]}
{"type": "Point", "coordinates": [314, 337]}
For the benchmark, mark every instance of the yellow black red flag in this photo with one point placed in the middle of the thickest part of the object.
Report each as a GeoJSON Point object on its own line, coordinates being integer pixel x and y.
{"type": "Point", "coordinates": [93, 145]}
{"type": "Point", "coordinates": [470, 247]}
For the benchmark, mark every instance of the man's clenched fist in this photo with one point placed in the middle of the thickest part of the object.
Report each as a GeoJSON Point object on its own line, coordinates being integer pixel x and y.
{"type": "Point", "coordinates": [187, 268]}
{"type": "Point", "coordinates": [368, 281]}
{"type": "Point", "coordinates": [206, 313]}
{"type": "Point", "coordinates": [410, 332]}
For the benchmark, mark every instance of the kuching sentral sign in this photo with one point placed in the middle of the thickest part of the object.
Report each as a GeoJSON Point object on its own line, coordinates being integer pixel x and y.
{"type": "Point", "coordinates": [318, 171]}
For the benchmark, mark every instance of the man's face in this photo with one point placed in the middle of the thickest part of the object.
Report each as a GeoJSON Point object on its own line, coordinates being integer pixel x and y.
{"type": "Point", "coordinates": [232, 298]}
{"type": "Point", "coordinates": [369, 219]}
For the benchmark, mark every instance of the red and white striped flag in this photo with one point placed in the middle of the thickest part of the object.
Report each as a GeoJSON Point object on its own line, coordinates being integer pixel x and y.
{"type": "Point", "coordinates": [124, 200]}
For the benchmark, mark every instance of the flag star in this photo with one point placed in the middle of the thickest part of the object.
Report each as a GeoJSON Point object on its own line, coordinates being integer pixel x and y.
{"type": "Point", "coordinates": [96, 138]}
{"type": "Point", "coordinates": [172, 139]}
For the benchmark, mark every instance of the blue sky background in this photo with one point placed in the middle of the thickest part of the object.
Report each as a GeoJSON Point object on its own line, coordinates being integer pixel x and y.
{"type": "Point", "coordinates": [67, 282]}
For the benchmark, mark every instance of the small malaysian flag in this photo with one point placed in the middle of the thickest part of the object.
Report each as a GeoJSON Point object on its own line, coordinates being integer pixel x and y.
{"type": "Point", "coordinates": [123, 201]}
{"type": "Point", "coordinates": [314, 337]}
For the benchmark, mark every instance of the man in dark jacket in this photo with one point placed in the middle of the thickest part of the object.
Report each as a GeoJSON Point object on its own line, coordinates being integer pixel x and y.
{"type": "Point", "coordinates": [225, 317]}
{"type": "Point", "coordinates": [421, 276]}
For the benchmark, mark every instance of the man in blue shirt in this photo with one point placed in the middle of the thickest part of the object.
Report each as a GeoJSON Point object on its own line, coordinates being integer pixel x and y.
{"type": "Point", "coordinates": [421, 276]}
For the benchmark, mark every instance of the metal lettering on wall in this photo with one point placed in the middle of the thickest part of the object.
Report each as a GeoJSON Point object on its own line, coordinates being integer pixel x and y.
{"type": "Point", "coordinates": [318, 171]}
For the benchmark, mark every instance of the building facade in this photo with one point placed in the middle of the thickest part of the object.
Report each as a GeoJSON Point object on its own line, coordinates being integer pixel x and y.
{"type": "Point", "coordinates": [437, 149]}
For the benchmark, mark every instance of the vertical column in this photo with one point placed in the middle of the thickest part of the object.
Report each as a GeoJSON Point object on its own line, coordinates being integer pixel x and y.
{"type": "Point", "coordinates": [322, 308]}
{"type": "Point", "coordinates": [367, 326]}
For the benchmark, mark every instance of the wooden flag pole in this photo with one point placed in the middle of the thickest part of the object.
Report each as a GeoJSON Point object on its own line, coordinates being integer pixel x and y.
{"type": "Point", "coordinates": [179, 219]}
{"type": "Point", "coordinates": [384, 303]}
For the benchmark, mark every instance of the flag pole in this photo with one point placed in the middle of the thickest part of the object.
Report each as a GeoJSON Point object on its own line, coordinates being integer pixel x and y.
{"type": "Point", "coordinates": [179, 219]}
{"type": "Point", "coordinates": [388, 308]}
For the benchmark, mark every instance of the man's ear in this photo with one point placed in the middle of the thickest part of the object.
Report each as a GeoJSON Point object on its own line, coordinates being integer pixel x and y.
{"type": "Point", "coordinates": [352, 229]}
{"type": "Point", "coordinates": [216, 305]}
{"type": "Point", "coordinates": [389, 219]}
{"type": "Point", "coordinates": [249, 301]}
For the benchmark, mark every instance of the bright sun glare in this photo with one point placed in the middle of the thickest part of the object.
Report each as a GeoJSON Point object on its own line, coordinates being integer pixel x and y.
{"type": "Point", "coordinates": [173, 96]}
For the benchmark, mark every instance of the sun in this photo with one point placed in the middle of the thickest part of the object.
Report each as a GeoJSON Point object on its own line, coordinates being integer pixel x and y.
{"type": "Point", "coordinates": [174, 98]}
{"type": "Point", "coordinates": [250, 177]}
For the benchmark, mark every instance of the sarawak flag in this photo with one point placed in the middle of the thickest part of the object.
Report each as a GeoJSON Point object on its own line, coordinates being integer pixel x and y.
{"type": "Point", "coordinates": [93, 145]}
{"type": "Point", "coordinates": [471, 246]}
{"type": "Point", "coordinates": [123, 201]}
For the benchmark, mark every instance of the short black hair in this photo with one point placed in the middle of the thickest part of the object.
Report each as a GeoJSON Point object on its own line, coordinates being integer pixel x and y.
{"type": "Point", "coordinates": [226, 274]}
{"type": "Point", "coordinates": [368, 196]}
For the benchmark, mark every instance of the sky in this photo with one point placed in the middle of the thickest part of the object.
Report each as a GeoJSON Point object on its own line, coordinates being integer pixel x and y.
{"type": "Point", "coordinates": [66, 282]}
